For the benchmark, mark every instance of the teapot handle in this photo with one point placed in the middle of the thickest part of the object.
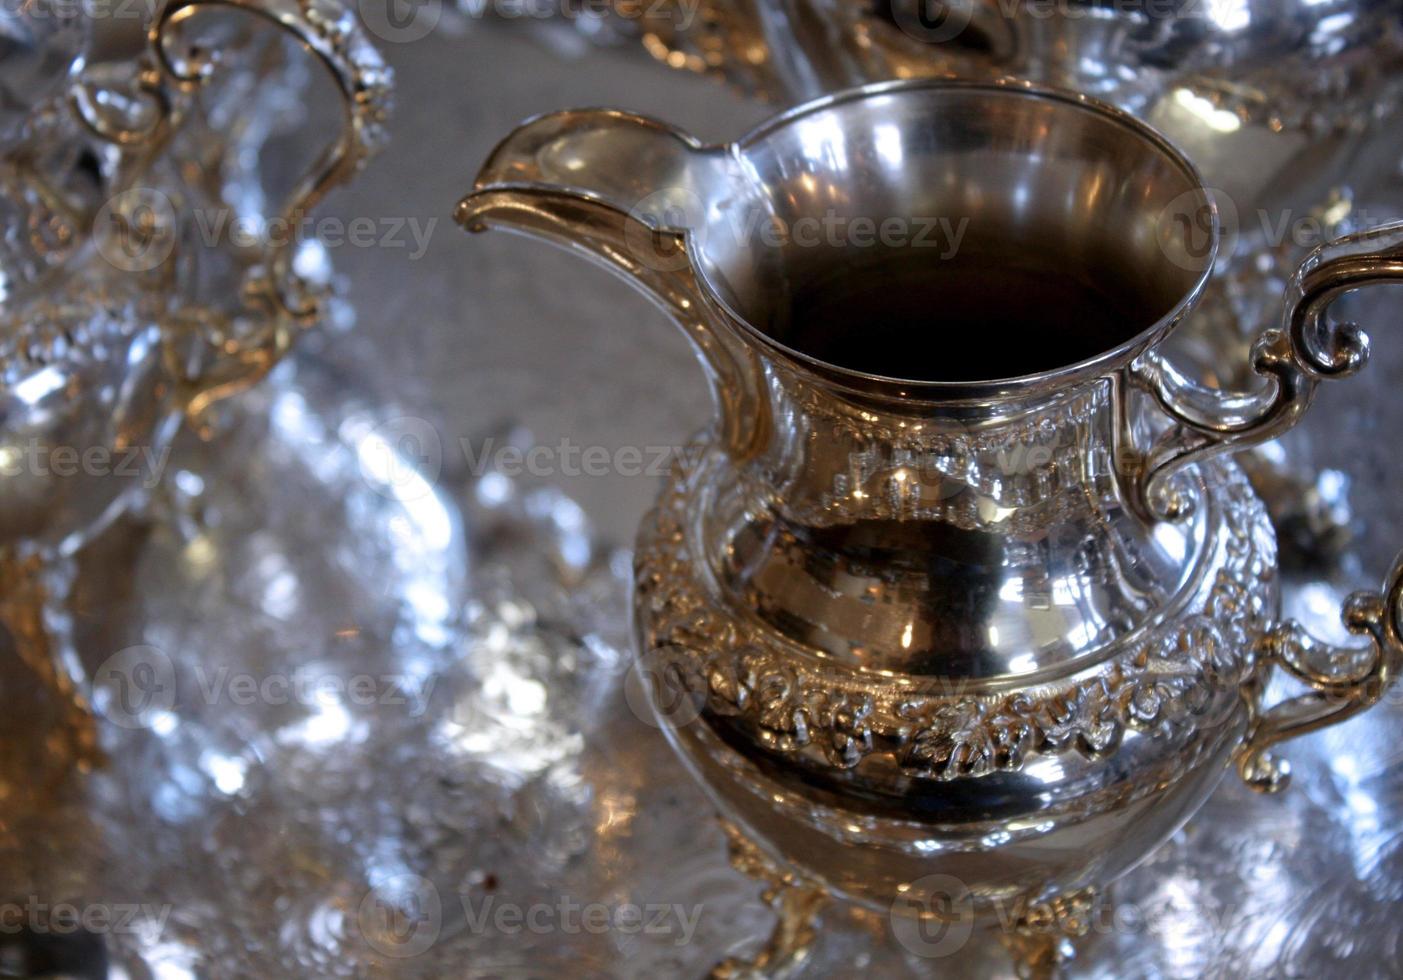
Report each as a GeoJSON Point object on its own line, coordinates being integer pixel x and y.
{"type": "Point", "coordinates": [1344, 680]}
{"type": "Point", "coordinates": [1306, 350]}
{"type": "Point", "coordinates": [333, 35]}
{"type": "Point", "coordinates": [627, 193]}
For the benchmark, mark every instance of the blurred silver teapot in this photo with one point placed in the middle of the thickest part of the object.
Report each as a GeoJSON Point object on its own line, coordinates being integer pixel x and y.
{"type": "Point", "coordinates": [1282, 102]}
{"type": "Point", "coordinates": [101, 348]}
{"type": "Point", "coordinates": [1285, 105]}
{"type": "Point", "coordinates": [960, 608]}
{"type": "Point", "coordinates": [114, 326]}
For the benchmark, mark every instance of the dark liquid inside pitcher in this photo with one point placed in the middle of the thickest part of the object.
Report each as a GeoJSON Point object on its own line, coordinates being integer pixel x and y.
{"type": "Point", "coordinates": [900, 313]}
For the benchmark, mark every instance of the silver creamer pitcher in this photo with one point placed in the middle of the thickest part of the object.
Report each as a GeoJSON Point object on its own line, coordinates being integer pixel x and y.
{"type": "Point", "coordinates": [961, 585]}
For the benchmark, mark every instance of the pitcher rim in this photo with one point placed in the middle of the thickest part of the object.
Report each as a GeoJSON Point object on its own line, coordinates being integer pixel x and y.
{"type": "Point", "coordinates": [865, 383]}
{"type": "Point", "coordinates": [909, 388]}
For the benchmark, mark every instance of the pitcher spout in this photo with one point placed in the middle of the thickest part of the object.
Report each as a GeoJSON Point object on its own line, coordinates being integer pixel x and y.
{"type": "Point", "coordinates": [627, 193]}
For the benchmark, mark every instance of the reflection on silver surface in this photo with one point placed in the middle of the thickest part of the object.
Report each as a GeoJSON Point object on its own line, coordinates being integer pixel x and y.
{"type": "Point", "coordinates": [41, 45]}
{"type": "Point", "coordinates": [1281, 104]}
{"type": "Point", "coordinates": [266, 853]}
{"type": "Point", "coordinates": [1288, 107]}
{"type": "Point", "coordinates": [120, 310]}
{"type": "Point", "coordinates": [304, 824]}
{"type": "Point", "coordinates": [109, 336]}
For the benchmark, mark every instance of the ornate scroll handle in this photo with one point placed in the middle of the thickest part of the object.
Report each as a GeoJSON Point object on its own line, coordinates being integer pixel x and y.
{"type": "Point", "coordinates": [331, 33]}
{"type": "Point", "coordinates": [625, 192]}
{"type": "Point", "coordinates": [1308, 349]}
{"type": "Point", "coordinates": [1345, 681]}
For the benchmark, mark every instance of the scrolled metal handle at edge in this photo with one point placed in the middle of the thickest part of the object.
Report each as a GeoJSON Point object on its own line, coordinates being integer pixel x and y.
{"type": "Point", "coordinates": [331, 33]}
{"type": "Point", "coordinates": [1344, 680]}
{"type": "Point", "coordinates": [1306, 350]}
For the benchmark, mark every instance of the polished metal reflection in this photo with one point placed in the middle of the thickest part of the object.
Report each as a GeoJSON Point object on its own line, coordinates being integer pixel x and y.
{"type": "Point", "coordinates": [111, 328]}
{"type": "Point", "coordinates": [1279, 104]}
{"type": "Point", "coordinates": [116, 320]}
{"type": "Point", "coordinates": [915, 655]}
{"type": "Point", "coordinates": [1288, 108]}
{"type": "Point", "coordinates": [1312, 891]}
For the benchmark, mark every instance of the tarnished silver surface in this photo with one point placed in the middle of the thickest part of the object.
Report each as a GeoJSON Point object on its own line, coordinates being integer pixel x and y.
{"type": "Point", "coordinates": [269, 831]}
